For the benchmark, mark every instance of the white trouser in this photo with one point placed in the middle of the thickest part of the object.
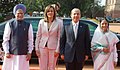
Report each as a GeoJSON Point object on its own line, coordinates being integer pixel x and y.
{"type": "Point", "coordinates": [47, 61]}
{"type": "Point", "coordinates": [16, 62]}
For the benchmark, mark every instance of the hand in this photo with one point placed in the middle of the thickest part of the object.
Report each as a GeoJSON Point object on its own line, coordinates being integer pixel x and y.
{"type": "Point", "coordinates": [106, 50]}
{"type": "Point", "coordinates": [8, 55]}
{"type": "Point", "coordinates": [86, 57]}
{"type": "Point", "coordinates": [56, 54]}
{"type": "Point", "coordinates": [62, 57]}
{"type": "Point", "coordinates": [115, 64]}
{"type": "Point", "coordinates": [28, 57]}
{"type": "Point", "coordinates": [38, 53]}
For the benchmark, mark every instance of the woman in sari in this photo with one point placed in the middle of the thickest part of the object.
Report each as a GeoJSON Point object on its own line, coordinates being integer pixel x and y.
{"type": "Point", "coordinates": [103, 47]}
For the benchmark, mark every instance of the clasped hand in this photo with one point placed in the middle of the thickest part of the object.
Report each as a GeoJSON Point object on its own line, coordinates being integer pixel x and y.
{"type": "Point", "coordinates": [106, 50]}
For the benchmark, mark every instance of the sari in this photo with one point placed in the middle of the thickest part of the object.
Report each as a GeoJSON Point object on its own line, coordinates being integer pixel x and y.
{"type": "Point", "coordinates": [104, 61]}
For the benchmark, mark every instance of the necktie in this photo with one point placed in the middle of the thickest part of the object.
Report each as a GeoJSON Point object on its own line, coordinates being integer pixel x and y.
{"type": "Point", "coordinates": [75, 30]}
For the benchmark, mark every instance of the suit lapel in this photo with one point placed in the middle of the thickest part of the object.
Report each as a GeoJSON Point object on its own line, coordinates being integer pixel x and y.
{"type": "Point", "coordinates": [79, 30]}
{"type": "Point", "coordinates": [45, 27]}
{"type": "Point", "coordinates": [72, 31]}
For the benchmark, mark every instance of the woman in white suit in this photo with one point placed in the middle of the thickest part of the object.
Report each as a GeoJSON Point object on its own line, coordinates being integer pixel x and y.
{"type": "Point", "coordinates": [47, 39]}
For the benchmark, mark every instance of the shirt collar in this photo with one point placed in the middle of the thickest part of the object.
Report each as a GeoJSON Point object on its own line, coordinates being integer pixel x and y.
{"type": "Point", "coordinates": [73, 23]}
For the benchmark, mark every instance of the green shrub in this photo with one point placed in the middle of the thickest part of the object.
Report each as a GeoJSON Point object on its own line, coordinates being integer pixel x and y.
{"type": "Point", "coordinates": [1, 19]}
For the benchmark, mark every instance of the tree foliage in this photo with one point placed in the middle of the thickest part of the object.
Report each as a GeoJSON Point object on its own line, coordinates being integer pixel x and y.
{"type": "Point", "coordinates": [88, 7]}
{"type": "Point", "coordinates": [6, 7]}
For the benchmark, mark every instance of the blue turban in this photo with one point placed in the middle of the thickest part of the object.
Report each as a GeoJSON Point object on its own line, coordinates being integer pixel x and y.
{"type": "Point", "coordinates": [19, 6]}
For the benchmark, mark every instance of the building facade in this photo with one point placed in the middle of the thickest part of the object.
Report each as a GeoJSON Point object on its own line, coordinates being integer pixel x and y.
{"type": "Point", "coordinates": [112, 8]}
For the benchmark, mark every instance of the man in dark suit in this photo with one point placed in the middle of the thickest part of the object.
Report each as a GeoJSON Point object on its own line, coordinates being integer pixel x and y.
{"type": "Point", "coordinates": [75, 42]}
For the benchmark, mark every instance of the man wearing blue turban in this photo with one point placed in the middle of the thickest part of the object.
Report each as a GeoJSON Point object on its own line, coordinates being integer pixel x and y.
{"type": "Point", "coordinates": [17, 41]}
{"type": "Point", "coordinates": [19, 6]}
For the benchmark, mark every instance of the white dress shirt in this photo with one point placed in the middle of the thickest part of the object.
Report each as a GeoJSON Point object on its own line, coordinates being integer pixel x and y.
{"type": "Point", "coordinates": [75, 28]}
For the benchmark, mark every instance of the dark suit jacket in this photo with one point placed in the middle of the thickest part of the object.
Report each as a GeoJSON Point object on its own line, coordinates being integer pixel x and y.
{"type": "Point", "coordinates": [71, 47]}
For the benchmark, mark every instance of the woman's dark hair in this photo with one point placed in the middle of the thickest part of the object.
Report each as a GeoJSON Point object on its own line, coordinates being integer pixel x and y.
{"type": "Point", "coordinates": [105, 18]}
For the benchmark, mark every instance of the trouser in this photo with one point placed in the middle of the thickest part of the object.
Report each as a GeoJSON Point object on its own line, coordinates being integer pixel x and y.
{"type": "Point", "coordinates": [16, 62]}
{"type": "Point", "coordinates": [74, 65]}
{"type": "Point", "coordinates": [47, 61]}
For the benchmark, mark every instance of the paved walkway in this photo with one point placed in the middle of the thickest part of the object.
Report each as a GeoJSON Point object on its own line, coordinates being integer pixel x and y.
{"type": "Point", "coordinates": [62, 67]}
{"type": "Point", "coordinates": [115, 27]}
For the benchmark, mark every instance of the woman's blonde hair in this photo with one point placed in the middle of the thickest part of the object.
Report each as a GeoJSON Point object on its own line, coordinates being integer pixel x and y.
{"type": "Point", "coordinates": [45, 13]}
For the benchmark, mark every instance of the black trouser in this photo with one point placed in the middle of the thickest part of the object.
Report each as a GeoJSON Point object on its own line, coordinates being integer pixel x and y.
{"type": "Point", "coordinates": [74, 65]}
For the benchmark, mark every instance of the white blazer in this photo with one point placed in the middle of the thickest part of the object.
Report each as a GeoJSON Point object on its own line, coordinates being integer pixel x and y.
{"type": "Point", "coordinates": [51, 36]}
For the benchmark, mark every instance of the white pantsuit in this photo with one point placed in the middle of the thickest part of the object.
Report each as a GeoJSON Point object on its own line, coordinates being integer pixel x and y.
{"type": "Point", "coordinates": [50, 37]}
{"type": "Point", "coordinates": [47, 60]}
